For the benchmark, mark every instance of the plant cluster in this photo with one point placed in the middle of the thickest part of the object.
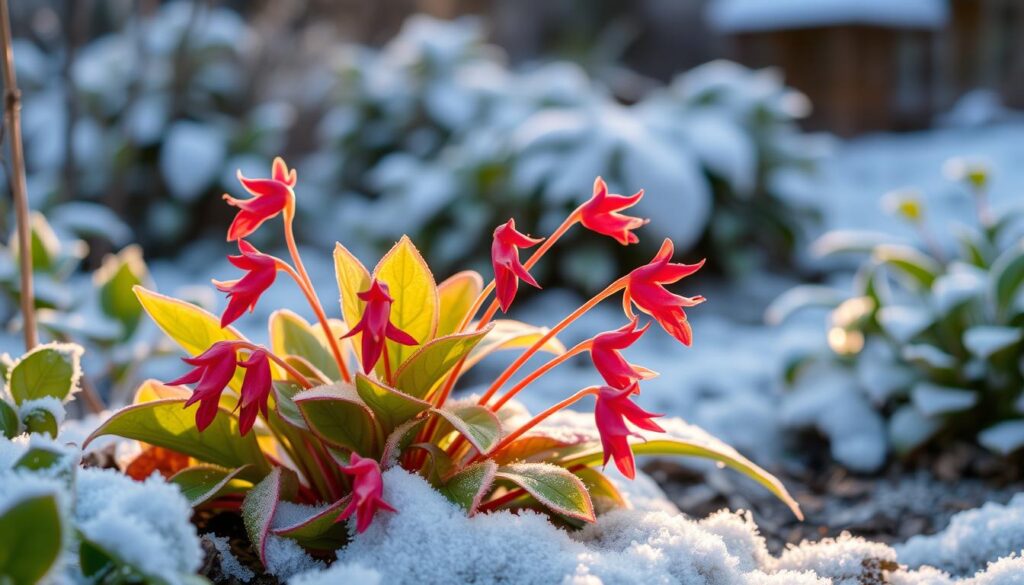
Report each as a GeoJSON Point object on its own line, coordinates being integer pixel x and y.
{"type": "Point", "coordinates": [297, 433]}
{"type": "Point", "coordinates": [929, 344]}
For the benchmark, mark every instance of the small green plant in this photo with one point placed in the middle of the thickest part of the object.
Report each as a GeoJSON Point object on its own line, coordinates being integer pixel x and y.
{"type": "Point", "coordinates": [933, 333]}
{"type": "Point", "coordinates": [316, 416]}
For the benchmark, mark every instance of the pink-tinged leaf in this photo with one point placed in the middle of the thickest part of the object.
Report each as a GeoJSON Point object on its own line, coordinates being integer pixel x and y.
{"type": "Point", "coordinates": [556, 488]}
{"type": "Point", "coordinates": [468, 487]}
{"type": "Point", "coordinates": [399, 440]}
{"type": "Point", "coordinates": [261, 504]}
{"type": "Point", "coordinates": [312, 527]}
{"type": "Point", "coordinates": [203, 483]}
{"type": "Point", "coordinates": [478, 424]}
{"type": "Point", "coordinates": [337, 415]}
{"type": "Point", "coordinates": [535, 445]}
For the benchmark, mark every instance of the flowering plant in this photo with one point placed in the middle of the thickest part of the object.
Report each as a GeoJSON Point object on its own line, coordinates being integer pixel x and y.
{"type": "Point", "coordinates": [296, 434]}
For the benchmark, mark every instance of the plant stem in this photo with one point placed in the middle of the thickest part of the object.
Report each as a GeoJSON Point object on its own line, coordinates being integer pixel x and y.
{"type": "Point", "coordinates": [307, 288]}
{"type": "Point", "coordinates": [552, 364]}
{"type": "Point", "coordinates": [526, 355]}
{"type": "Point", "coordinates": [508, 439]}
{"type": "Point", "coordinates": [12, 120]}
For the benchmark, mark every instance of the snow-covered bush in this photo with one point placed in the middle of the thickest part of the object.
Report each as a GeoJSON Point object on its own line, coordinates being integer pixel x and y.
{"type": "Point", "coordinates": [304, 435]}
{"type": "Point", "coordinates": [435, 135]}
{"type": "Point", "coordinates": [929, 345]}
{"type": "Point", "coordinates": [165, 103]}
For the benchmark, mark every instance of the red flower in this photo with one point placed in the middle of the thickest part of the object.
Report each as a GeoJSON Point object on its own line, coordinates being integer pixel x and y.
{"type": "Point", "coordinates": [367, 492]}
{"type": "Point", "coordinates": [269, 197]}
{"type": "Point", "coordinates": [376, 325]}
{"type": "Point", "coordinates": [244, 292]}
{"type": "Point", "coordinates": [214, 368]}
{"type": "Point", "coordinates": [644, 289]}
{"type": "Point", "coordinates": [255, 389]}
{"type": "Point", "coordinates": [604, 351]}
{"type": "Point", "coordinates": [612, 411]}
{"type": "Point", "coordinates": [600, 214]}
{"type": "Point", "coordinates": [505, 259]}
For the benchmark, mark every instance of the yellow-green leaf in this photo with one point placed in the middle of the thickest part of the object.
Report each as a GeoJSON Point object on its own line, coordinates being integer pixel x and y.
{"type": "Point", "coordinates": [555, 488]}
{"type": "Point", "coordinates": [390, 406]}
{"type": "Point", "coordinates": [478, 424]}
{"type": "Point", "coordinates": [202, 483]}
{"type": "Point", "coordinates": [48, 370]}
{"type": "Point", "coordinates": [115, 279]}
{"type": "Point", "coordinates": [166, 423]}
{"type": "Point", "coordinates": [468, 487]}
{"type": "Point", "coordinates": [30, 539]}
{"type": "Point", "coordinates": [353, 278]}
{"type": "Point", "coordinates": [290, 334]}
{"type": "Point", "coordinates": [191, 327]}
{"type": "Point", "coordinates": [426, 368]}
{"type": "Point", "coordinates": [457, 294]}
{"type": "Point", "coordinates": [509, 334]}
{"type": "Point", "coordinates": [416, 305]}
{"type": "Point", "coordinates": [337, 414]}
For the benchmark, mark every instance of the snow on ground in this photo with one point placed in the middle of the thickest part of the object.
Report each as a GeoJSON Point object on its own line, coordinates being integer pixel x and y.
{"type": "Point", "coordinates": [756, 15]}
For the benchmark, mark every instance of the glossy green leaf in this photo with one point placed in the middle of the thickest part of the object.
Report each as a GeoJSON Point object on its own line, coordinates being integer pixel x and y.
{"type": "Point", "coordinates": [317, 528]}
{"type": "Point", "coordinates": [554, 487]}
{"type": "Point", "coordinates": [31, 538]}
{"type": "Point", "coordinates": [290, 334]}
{"type": "Point", "coordinates": [202, 483]}
{"type": "Point", "coordinates": [603, 493]}
{"type": "Point", "coordinates": [510, 334]}
{"type": "Point", "coordinates": [165, 423]}
{"type": "Point", "coordinates": [9, 426]}
{"type": "Point", "coordinates": [339, 416]}
{"type": "Point", "coordinates": [662, 445]}
{"type": "Point", "coordinates": [468, 487]}
{"type": "Point", "coordinates": [115, 281]}
{"type": "Point", "coordinates": [40, 420]}
{"type": "Point", "coordinates": [416, 306]}
{"type": "Point", "coordinates": [353, 278]}
{"type": "Point", "coordinates": [48, 370]}
{"type": "Point", "coordinates": [477, 423]}
{"type": "Point", "coordinates": [457, 295]}
{"type": "Point", "coordinates": [921, 269]}
{"type": "Point", "coordinates": [426, 368]}
{"type": "Point", "coordinates": [261, 503]}
{"type": "Point", "coordinates": [391, 407]}
{"type": "Point", "coordinates": [399, 440]}
{"type": "Point", "coordinates": [191, 327]}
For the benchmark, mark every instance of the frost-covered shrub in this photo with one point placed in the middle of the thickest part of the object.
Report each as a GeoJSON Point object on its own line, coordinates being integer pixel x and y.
{"type": "Point", "coordinates": [440, 138]}
{"type": "Point", "coordinates": [164, 105]}
{"type": "Point", "coordinates": [302, 439]}
{"type": "Point", "coordinates": [60, 523]}
{"type": "Point", "coordinates": [929, 345]}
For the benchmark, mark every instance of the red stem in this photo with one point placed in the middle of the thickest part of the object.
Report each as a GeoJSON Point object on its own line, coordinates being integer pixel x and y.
{"type": "Point", "coordinates": [552, 364]}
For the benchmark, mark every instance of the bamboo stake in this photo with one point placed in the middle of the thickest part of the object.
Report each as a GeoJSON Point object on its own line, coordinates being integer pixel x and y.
{"type": "Point", "coordinates": [12, 120]}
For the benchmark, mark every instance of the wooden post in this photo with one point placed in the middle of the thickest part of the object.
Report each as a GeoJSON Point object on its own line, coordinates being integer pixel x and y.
{"type": "Point", "coordinates": [12, 122]}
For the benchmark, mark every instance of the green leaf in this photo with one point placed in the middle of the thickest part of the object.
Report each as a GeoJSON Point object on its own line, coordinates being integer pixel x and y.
{"type": "Point", "coordinates": [603, 493]}
{"type": "Point", "coordinates": [399, 440]}
{"type": "Point", "coordinates": [1008, 280]}
{"type": "Point", "coordinates": [9, 426]}
{"type": "Point", "coordinates": [116, 278]}
{"type": "Point", "coordinates": [261, 504]}
{"type": "Point", "coordinates": [317, 528]}
{"type": "Point", "coordinates": [166, 423]}
{"type": "Point", "coordinates": [40, 420]}
{"type": "Point", "coordinates": [353, 278]}
{"type": "Point", "coordinates": [391, 407]}
{"type": "Point", "coordinates": [31, 537]}
{"type": "Point", "coordinates": [468, 487]}
{"type": "Point", "coordinates": [457, 295]}
{"type": "Point", "coordinates": [477, 423]}
{"type": "Point", "coordinates": [192, 328]}
{"type": "Point", "coordinates": [921, 269]}
{"type": "Point", "coordinates": [52, 369]}
{"type": "Point", "coordinates": [39, 457]}
{"type": "Point", "coordinates": [554, 487]}
{"type": "Point", "coordinates": [337, 414]}
{"type": "Point", "coordinates": [290, 334]}
{"type": "Point", "coordinates": [284, 403]}
{"type": "Point", "coordinates": [661, 445]}
{"type": "Point", "coordinates": [416, 304]}
{"type": "Point", "coordinates": [426, 368]}
{"type": "Point", "coordinates": [510, 334]}
{"type": "Point", "coordinates": [202, 483]}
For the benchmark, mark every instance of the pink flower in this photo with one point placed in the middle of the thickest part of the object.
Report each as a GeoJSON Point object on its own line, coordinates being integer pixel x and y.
{"type": "Point", "coordinates": [613, 409]}
{"type": "Point", "coordinates": [604, 351]}
{"type": "Point", "coordinates": [244, 292]}
{"type": "Point", "coordinates": [600, 214]}
{"type": "Point", "coordinates": [255, 389]}
{"type": "Point", "coordinates": [213, 370]}
{"type": "Point", "coordinates": [376, 325]}
{"type": "Point", "coordinates": [269, 198]}
{"type": "Point", "coordinates": [645, 289]}
{"type": "Point", "coordinates": [505, 259]}
{"type": "Point", "coordinates": [367, 492]}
